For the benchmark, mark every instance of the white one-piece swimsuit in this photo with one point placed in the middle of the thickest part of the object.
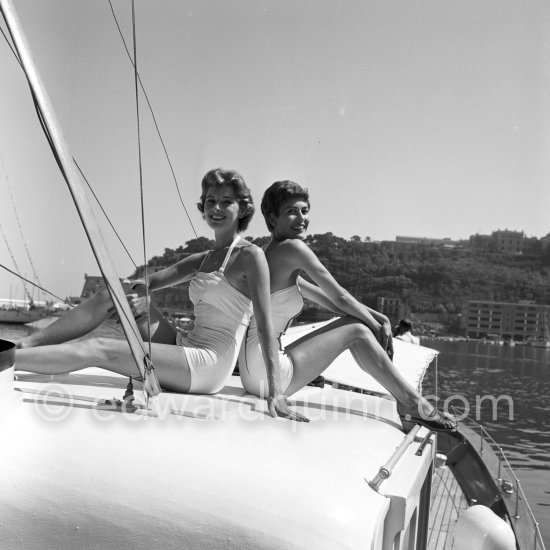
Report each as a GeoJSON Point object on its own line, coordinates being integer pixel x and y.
{"type": "Point", "coordinates": [222, 314]}
{"type": "Point", "coordinates": [285, 305]}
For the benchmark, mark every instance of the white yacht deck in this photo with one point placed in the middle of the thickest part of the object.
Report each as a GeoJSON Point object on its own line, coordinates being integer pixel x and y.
{"type": "Point", "coordinates": [208, 468]}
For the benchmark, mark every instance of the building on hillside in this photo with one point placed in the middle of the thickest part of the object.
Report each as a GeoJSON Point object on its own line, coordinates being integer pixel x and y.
{"type": "Point", "coordinates": [509, 242]}
{"type": "Point", "coordinates": [393, 308]}
{"type": "Point", "coordinates": [92, 283]}
{"type": "Point", "coordinates": [483, 242]}
{"type": "Point", "coordinates": [532, 246]}
{"type": "Point", "coordinates": [402, 239]}
{"type": "Point", "coordinates": [522, 321]}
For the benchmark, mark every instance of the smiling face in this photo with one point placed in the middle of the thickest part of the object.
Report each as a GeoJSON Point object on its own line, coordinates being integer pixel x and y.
{"type": "Point", "coordinates": [221, 207]}
{"type": "Point", "coordinates": [234, 188]}
{"type": "Point", "coordinates": [292, 221]}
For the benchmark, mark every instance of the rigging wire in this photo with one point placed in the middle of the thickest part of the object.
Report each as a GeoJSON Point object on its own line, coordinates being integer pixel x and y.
{"type": "Point", "coordinates": [10, 46]}
{"type": "Point", "coordinates": [107, 217]}
{"type": "Point", "coordinates": [34, 272]}
{"type": "Point", "coordinates": [104, 213]}
{"type": "Point", "coordinates": [36, 285]}
{"type": "Point", "coordinates": [157, 130]}
{"type": "Point", "coordinates": [141, 190]}
{"type": "Point", "coordinates": [147, 357]}
{"type": "Point", "coordinates": [65, 177]}
{"type": "Point", "coordinates": [13, 50]}
{"type": "Point", "coordinates": [14, 262]}
{"type": "Point", "coordinates": [436, 380]}
{"type": "Point", "coordinates": [154, 121]}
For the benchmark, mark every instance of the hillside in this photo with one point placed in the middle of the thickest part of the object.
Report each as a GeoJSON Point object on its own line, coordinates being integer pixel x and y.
{"type": "Point", "coordinates": [432, 281]}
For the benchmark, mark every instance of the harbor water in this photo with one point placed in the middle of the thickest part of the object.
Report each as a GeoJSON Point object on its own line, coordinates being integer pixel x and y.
{"type": "Point", "coordinates": [504, 388]}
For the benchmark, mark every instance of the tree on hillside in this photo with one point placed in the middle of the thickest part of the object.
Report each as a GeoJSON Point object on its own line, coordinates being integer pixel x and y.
{"type": "Point", "coordinates": [427, 278]}
{"type": "Point", "coordinates": [198, 245]}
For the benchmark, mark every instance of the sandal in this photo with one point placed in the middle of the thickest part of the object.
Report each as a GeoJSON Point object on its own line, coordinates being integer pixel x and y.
{"type": "Point", "coordinates": [435, 421]}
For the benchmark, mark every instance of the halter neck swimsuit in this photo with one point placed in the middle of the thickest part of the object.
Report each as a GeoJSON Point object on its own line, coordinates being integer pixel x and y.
{"type": "Point", "coordinates": [222, 314]}
{"type": "Point", "coordinates": [285, 305]}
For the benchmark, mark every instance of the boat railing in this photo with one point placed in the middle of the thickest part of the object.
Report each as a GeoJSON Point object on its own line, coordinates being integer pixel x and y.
{"type": "Point", "coordinates": [385, 471]}
{"type": "Point", "coordinates": [510, 486]}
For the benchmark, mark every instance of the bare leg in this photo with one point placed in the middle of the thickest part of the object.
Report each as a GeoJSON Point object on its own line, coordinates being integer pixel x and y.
{"type": "Point", "coordinates": [313, 353]}
{"type": "Point", "coordinates": [89, 315]}
{"type": "Point", "coordinates": [77, 322]}
{"type": "Point", "coordinates": [114, 355]}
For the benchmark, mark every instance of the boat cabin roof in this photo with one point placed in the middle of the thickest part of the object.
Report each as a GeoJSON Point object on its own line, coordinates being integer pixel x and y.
{"type": "Point", "coordinates": [213, 470]}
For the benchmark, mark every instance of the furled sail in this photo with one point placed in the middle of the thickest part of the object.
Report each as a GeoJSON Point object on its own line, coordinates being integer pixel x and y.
{"type": "Point", "coordinates": [71, 175]}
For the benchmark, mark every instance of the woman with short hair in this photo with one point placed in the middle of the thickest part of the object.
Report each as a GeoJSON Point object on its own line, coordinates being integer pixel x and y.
{"type": "Point", "coordinates": [361, 330]}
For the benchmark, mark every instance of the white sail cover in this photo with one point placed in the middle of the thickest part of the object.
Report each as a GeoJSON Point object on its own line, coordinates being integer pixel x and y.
{"type": "Point", "coordinates": [411, 360]}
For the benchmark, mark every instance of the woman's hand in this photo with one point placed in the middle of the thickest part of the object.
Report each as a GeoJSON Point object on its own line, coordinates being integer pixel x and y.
{"type": "Point", "coordinates": [137, 300]}
{"type": "Point", "coordinates": [139, 306]}
{"type": "Point", "coordinates": [384, 332]}
{"type": "Point", "coordinates": [385, 336]}
{"type": "Point", "coordinates": [389, 348]}
{"type": "Point", "coordinates": [132, 283]}
{"type": "Point", "coordinates": [278, 406]}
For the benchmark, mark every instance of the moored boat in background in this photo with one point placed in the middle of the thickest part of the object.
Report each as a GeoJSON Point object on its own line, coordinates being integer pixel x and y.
{"type": "Point", "coordinates": [22, 311]}
{"type": "Point", "coordinates": [540, 344]}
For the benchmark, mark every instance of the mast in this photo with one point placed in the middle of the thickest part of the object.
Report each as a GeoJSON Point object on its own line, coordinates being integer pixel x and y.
{"type": "Point", "coordinates": [70, 173]}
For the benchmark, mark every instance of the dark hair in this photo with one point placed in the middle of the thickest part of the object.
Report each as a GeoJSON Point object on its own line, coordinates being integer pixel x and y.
{"type": "Point", "coordinates": [405, 325]}
{"type": "Point", "coordinates": [278, 193]}
{"type": "Point", "coordinates": [222, 176]}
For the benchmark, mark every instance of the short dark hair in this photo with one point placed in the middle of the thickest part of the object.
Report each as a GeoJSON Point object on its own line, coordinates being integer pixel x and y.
{"type": "Point", "coordinates": [223, 176]}
{"type": "Point", "coordinates": [278, 193]}
{"type": "Point", "coordinates": [405, 325]}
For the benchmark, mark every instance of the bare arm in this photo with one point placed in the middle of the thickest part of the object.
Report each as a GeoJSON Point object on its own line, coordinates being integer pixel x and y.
{"type": "Point", "coordinates": [257, 274]}
{"type": "Point", "coordinates": [180, 272]}
{"type": "Point", "coordinates": [331, 295]}
{"type": "Point", "coordinates": [316, 294]}
{"type": "Point", "coordinates": [140, 300]}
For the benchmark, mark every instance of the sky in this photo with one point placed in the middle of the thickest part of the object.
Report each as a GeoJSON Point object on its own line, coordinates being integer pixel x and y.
{"type": "Point", "coordinates": [427, 118]}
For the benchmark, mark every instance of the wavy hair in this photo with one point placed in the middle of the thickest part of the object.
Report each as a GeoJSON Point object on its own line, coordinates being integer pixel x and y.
{"type": "Point", "coordinates": [232, 178]}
